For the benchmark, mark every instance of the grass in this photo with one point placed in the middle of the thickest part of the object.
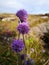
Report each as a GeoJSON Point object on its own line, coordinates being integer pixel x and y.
{"type": "Point", "coordinates": [8, 57]}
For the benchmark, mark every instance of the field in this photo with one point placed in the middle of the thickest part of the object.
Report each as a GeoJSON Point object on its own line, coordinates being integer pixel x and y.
{"type": "Point", "coordinates": [37, 48]}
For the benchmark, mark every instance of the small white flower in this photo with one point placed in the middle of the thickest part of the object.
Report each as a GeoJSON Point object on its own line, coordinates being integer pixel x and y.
{"type": "Point", "coordinates": [43, 51]}
{"type": "Point", "coordinates": [31, 50]}
{"type": "Point", "coordinates": [28, 55]}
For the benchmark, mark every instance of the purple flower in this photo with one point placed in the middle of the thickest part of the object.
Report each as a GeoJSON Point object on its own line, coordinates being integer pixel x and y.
{"type": "Point", "coordinates": [23, 28]}
{"type": "Point", "coordinates": [29, 62]}
{"type": "Point", "coordinates": [22, 14]}
{"type": "Point", "coordinates": [17, 45]}
{"type": "Point", "coordinates": [23, 56]}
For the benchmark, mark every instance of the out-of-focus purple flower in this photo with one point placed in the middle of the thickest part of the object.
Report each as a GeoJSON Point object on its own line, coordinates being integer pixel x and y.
{"type": "Point", "coordinates": [29, 62]}
{"type": "Point", "coordinates": [17, 45]}
{"type": "Point", "coordinates": [22, 14]}
{"type": "Point", "coordinates": [23, 56]}
{"type": "Point", "coordinates": [23, 28]}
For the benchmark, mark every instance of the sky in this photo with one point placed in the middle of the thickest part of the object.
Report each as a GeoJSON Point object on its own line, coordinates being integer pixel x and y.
{"type": "Point", "coordinates": [31, 6]}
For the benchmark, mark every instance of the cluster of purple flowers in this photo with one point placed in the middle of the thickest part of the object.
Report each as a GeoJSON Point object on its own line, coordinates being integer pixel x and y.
{"type": "Point", "coordinates": [23, 28]}
{"type": "Point", "coordinates": [17, 45]}
{"type": "Point", "coordinates": [22, 15]}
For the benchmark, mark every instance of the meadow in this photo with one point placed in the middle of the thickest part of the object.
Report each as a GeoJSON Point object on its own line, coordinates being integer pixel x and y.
{"type": "Point", "coordinates": [37, 48]}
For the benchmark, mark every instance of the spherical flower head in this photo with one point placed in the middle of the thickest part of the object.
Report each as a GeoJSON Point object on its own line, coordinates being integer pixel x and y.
{"type": "Point", "coordinates": [17, 45]}
{"type": "Point", "coordinates": [23, 28]}
{"type": "Point", "coordinates": [22, 14]}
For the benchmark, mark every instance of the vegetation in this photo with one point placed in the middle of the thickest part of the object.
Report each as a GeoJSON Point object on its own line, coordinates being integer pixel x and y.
{"type": "Point", "coordinates": [35, 49]}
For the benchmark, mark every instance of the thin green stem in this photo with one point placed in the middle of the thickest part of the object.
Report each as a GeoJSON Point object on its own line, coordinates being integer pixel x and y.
{"type": "Point", "coordinates": [25, 49]}
{"type": "Point", "coordinates": [24, 41]}
{"type": "Point", "coordinates": [19, 36]}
